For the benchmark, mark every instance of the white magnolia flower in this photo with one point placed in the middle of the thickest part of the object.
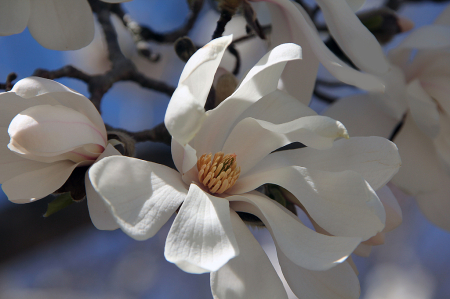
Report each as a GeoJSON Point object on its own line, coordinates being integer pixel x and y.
{"type": "Point", "coordinates": [55, 24]}
{"type": "Point", "coordinates": [223, 155]}
{"type": "Point", "coordinates": [423, 139]}
{"type": "Point", "coordinates": [47, 130]}
{"type": "Point", "coordinates": [291, 24]}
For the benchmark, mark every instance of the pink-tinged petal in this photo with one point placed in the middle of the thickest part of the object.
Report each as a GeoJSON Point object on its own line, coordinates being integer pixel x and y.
{"type": "Point", "coordinates": [201, 238]}
{"type": "Point", "coordinates": [363, 250]}
{"type": "Point", "coordinates": [32, 185]}
{"type": "Point", "coordinates": [343, 203]}
{"type": "Point", "coordinates": [376, 240]}
{"type": "Point", "coordinates": [418, 153]}
{"type": "Point", "coordinates": [301, 245]}
{"type": "Point", "coordinates": [141, 195]}
{"type": "Point", "coordinates": [362, 116]}
{"type": "Point", "coordinates": [333, 64]}
{"type": "Point", "coordinates": [393, 211]}
{"type": "Point", "coordinates": [299, 76]}
{"type": "Point", "coordinates": [98, 210]}
{"type": "Point", "coordinates": [356, 41]}
{"type": "Point", "coordinates": [375, 158]}
{"type": "Point", "coordinates": [14, 16]}
{"type": "Point", "coordinates": [436, 205]}
{"type": "Point", "coordinates": [423, 109]}
{"type": "Point", "coordinates": [45, 91]}
{"type": "Point", "coordinates": [313, 131]}
{"type": "Point", "coordinates": [277, 107]}
{"type": "Point", "coordinates": [250, 275]}
{"type": "Point", "coordinates": [339, 282]}
{"type": "Point", "coordinates": [261, 80]}
{"type": "Point", "coordinates": [50, 131]}
{"type": "Point", "coordinates": [61, 24]}
{"type": "Point", "coordinates": [185, 113]}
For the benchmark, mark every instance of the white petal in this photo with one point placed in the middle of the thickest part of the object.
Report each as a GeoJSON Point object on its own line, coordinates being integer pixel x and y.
{"type": "Point", "coordinates": [436, 205]}
{"type": "Point", "coordinates": [393, 211]}
{"type": "Point", "coordinates": [375, 158]}
{"type": "Point", "coordinates": [201, 238]}
{"type": "Point", "coordinates": [340, 202]}
{"type": "Point", "coordinates": [14, 16]}
{"type": "Point", "coordinates": [423, 109]}
{"type": "Point", "coordinates": [299, 76]}
{"type": "Point", "coordinates": [185, 113]}
{"type": "Point", "coordinates": [251, 139]}
{"type": "Point", "coordinates": [421, 170]}
{"type": "Point", "coordinates": [361, 116]}
{"type": "Point", "coordinates": [353, 37]}
{"type": "Point", "coordinates": [261, 80]}
{"type": "Point", "coordinates": [363, 250]}
{"type": "Point", "coordinates": [339, 282]}
{"type": "Point", "coordinates": [50, 131]}
{"type": "Point", "coordinates": [249, 275]}
{"type": "Point", "coordinates": [442, 142]}
{"type": "Point", "coordinates": [437, 87]}
{"type": "Point", "coordinates": [45, 91]}
{"type": "Point", "coordinates": [12, 105]}
{"type": "Point", "coordinates": [141, 195]}
{"type": "Point", "coordinates": [98, 210]}
{"type": "Point", "coordinates": [33, 185]}
{"type": "Point", "coordinates": [444, 17]}
{"type": "Point", "coordinates": [61, 24]}
{"type": "Point", "coordinates": [301, 245]}
{"type": "Point", "coordinates": [333, 64]}
{"type": "Point", "coordinates": [426, 37]}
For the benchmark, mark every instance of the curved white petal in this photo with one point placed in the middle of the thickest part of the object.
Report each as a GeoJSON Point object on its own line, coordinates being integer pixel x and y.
{"type": "Point", "coordinates": [437, 87]}
{"type": "Point", "coordinates": [343, 203]}
{"type": "Point", "coordinates": [436, 205]}
{"type": "Point", "coordinates": [361, 116]}
{"type": "Point", "coordinates": [333, 64]}
{"type": "Point", "coordinates": [45, 91]}
{"type": "Point", "coordinates": [245, 140]}
{"type": "Point", "coordinates": [98, 210]}
{"type": "Point", "coordinates": [250, 275]}
{"type": "Point", "coordinates": [301, 245]}
{"type": "Point", "coordinates": [393, 211]}
{"type": "Point", "coordinates": [49, 131]}
{"type": "Point", "coordinates": [185, 113]}
{"type": "Point", "coordinates": [444, 17]}
{"type": "Point", "coordinates": [261, 80]}
{"type": "Point", "coordinates": [423, 109]}
{"type": "Point", "coordinates": [353, 37]}
{"type": "Point", "coordinates": [442, 142]}
{"type": "Point", "coordinates": [421, 170]}
{"type": "Point", "coordinates": [376, 159]}
{"type": "Point", "coordinates": [141, 195]}
{"type": "Point", "coordinates": [426, 37]}
{"type": "Point", "coordinates": [299, 76]}
{"type": "Point", "coordinates": [12, 105]}
{"type": "Point", "coordinates": [14, 16]}
{"type": "Point", "coordinates": [201, 238]}
{"type": "Point", "coordinates": [339, 282]}
{"type": "Point", "coordinates": [61, 24]}
{"type": "Point", "coordinates": [32, 185]}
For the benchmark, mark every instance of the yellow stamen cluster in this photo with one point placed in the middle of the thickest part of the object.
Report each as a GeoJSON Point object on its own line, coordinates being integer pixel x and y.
{"type": "Point", "coordinates": [219, 173]}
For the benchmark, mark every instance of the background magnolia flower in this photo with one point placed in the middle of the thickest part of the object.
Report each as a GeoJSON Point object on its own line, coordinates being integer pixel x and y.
{"type": "Point", "coordinates": [292, 24]}
{"type": "Point", "coordinates": [55, 24]}
{"type": "Point", "coordinates": [223, 155]}
{"type": "Point", "coordinates": [47, 131]}
{"type": "Point", "coordinates": [424, 134]}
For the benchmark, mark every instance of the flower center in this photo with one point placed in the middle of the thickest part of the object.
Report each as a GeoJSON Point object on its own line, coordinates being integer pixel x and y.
{"type": "Point", "coordinates": [219, 173]}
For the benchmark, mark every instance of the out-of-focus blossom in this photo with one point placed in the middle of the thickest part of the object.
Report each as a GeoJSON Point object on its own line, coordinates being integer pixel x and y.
{"type": "Point", "coordinates": [424, 136]}
{"type": "Point", "coordinates": [47, 131]}
{"type": "Point", "coordinates": [291, 23]}
{"type": "Point", "coordinates": [223, 155]}
{"type": "Point", "coordinates": [55, 24]}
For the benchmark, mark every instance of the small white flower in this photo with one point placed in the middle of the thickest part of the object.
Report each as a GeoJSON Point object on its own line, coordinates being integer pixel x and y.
{"type": "Point", "coordinates": [423, 139]}
{"type": "Point", "coordinates": [47, 130]}
{"type": "Point", "coordinates": [223, 155]}
{"type": "Point", "coordinates": [55, 24]}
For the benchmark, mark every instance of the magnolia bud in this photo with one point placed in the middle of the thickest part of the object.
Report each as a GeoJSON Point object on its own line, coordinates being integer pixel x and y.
{"type": "Point", "coordinates": [122, 142]}
{"type": "Point", "coordinates": [225, 85]}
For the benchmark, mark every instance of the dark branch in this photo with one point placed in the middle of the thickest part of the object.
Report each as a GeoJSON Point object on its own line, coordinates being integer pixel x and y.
{"type": "Point", "coordinates": [8, 85]}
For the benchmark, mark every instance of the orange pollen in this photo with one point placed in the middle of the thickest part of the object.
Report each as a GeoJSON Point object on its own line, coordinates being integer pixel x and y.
{"type": "Point", "coordinates": [218, 174]}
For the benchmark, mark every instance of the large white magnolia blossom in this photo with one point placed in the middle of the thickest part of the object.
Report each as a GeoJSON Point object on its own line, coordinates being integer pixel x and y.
{"type": "Point", "coordinates": [47, 130]}
{"type": "Point", "coordinates": [291, 24]}
{"type": "Point", "coordinates": [223, 155]}
{"type": "Point", "coordinates": [424, 137]}
{"type": "Point", "coordinates": [55, 24]}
